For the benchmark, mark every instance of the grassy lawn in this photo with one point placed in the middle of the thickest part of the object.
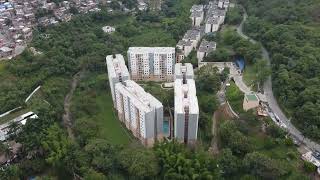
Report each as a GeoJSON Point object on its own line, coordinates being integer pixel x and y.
{"type": "Point", "coordinates": [110, 127]}
{"type": "Point", "coordinates": [2, 65]}
{"type": "Point", "coordinates": [92, 101]}
{"type": "Point", "coordinates": [235, 97]}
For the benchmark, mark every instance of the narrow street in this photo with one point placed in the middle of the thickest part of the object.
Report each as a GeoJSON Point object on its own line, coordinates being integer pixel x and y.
{"type": "Point", "coordinates": [273, 104]}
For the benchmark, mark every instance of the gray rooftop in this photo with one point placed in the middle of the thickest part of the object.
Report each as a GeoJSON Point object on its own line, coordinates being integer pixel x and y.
{"type": "Point", "coordinates": [184, 43]}
{"type": "Point", "coordinates": [207, 46]}
{"type": "Point", "coordinates": [192, 34]}
{"type": "Point", "coordinates": [196, 14]}
{"type": "Point", "coordinates": [218, 12]}
{"type": "Point", "coordinates": [212, 20]}
{"type": "Point", "coordinates": [196, 8]}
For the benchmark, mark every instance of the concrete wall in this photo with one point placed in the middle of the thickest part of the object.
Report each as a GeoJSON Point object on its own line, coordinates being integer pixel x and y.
{"type": "Point", "coordinates": [192, 127]}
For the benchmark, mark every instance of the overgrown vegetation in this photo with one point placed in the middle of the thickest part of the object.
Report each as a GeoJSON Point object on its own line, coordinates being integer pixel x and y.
{"type": "Point", "coordinates": [99, 150]}
{"type": "Point", "coordinates": [290, 31]}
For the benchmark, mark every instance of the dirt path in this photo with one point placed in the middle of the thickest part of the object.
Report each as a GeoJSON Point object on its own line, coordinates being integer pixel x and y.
{"type": "Point", "coordinates": [214, 142]}
{"type": "Point", "coordinates": [67, 120]}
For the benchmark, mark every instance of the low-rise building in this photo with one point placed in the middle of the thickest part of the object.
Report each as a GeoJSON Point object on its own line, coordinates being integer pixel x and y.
{"type": "Point", "coordinates": [205, 48]}
{"type": "Point", "coordinates": [223, 4]}
{"type": "Point", "coordinates": [212, 25]}
{"type": "Point", "coordinates": [193, 35]}
{"type": "Point", "coordinates": [197, 15]}
{"type": "Point", "coordinates": [140, 112]}
{"type": "Point", "coordinates": [184, 48]}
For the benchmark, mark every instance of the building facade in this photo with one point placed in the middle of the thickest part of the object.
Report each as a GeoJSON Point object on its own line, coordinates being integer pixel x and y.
{"type": "Point", "coordinates": [186, 110]}
{"type": "Point", "coordinates": [117, 72]}
{"type": "Point", "coordinates": [151, 63]}
{"type": "Point", "coordinates": [139, 111]}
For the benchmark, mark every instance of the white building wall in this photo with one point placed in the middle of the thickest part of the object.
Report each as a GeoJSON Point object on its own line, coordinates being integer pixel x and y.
{"type": "Point", "coordinates": [200, 56]}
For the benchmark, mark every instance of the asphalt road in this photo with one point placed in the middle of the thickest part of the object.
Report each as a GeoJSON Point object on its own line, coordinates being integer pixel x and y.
{"type": "Point", "coordinates": [273, 104]}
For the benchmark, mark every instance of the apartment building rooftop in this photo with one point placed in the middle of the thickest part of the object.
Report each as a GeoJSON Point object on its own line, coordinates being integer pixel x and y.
{"type": "Point", "coordinates": [192, 34]}
{"type": "Point", "coordinates": [212, 20]}
{"type": "Point", "coordinates": [184, 43]}
{"type": "Point", "coordinates": [218, 12]}
{"type": "Point", "coordinates": [181, 69]}
{"type": "Point", "coordinates": [116, 65]}
{"type": "Point", "coordinates": [185, 96]}
{"type": "Point", "coordinates": [196, 14]}
{"type": "Point", "coordinates": [143, 100]}
{"type": "Point", "coordinates": [207, 46]}
{"type": "Point", "coordinates": [196, 8]}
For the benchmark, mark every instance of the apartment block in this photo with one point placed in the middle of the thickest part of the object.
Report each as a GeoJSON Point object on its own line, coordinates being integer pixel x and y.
{"type": "Point", "coordinates": [184, 48]}
{"type": "Point", "coordinates": [184, 71]}
{"type": "Point", "coordinates": [212, 24]}
{"type": "Point", "coordinates": [205, 48]}
{"type": "Point", "coordinates": [215, 15]}
{"type": "Point", "coordinates": [189, 42]}
{"type": "Point", "coordinates": [186, 110]}
{"type": "Point", "coordinates": [151, 63]}
{"type": "Point", "coordinates": [117, 72]}
{"type": "Point", "coordinates": [197, 15]}
{"type": "Point", "coordinates": [223, 4]}
{"type": "Point", "coordinates": [139, 111]}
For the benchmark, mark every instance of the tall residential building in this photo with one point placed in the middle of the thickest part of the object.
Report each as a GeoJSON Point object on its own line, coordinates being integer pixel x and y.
{"type": "Point", "coordinates": [151, 63]}
{"type": "Point", "coordinates": [139, 111]}
{"type": "Point", "coordinates": [117, 72]}
{"type": "Point", "coordinates": [183, 71]}
{"type": "Point", "coordinates": [186, 110]}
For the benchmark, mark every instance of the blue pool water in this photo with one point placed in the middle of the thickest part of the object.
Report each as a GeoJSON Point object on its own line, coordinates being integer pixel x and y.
{"type": "Point", "coordinates": [166, 128]}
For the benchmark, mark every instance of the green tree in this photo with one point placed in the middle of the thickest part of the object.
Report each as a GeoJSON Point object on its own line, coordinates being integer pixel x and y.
{"type": "Point", "coordinates": [262, 70]}
{"type": "Point", "coordinates": [56, 145]}
{"type": "Point", "coordinates": [138, 162]}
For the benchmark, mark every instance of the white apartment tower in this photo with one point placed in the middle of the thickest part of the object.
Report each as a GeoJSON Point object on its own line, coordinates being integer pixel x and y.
{"type": "Point", "coordinates": [117, 72]}
{"type": "Point", "coordinates": [151, 63]}
{"type": "Point", "coordinates": [139, 111]}
{"type": "Point", "coordinates": [186, 110]}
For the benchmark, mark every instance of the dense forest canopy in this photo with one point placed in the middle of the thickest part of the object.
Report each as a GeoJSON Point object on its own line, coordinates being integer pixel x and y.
{"type": "Point", "coordinates": [245, 151]}
{"type": "Point", "coordinates": [290, 30]}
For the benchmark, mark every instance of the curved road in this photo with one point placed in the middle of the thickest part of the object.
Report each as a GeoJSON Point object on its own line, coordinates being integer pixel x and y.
{"type": "Point", "coordinates": [267, 87]}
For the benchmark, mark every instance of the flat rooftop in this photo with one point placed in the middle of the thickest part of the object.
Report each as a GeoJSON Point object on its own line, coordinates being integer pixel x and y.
{"type": "Point", "coordinates": [185, 96]}
{"type": "Point", "coordinates": [138, 96]}
{"type": "Point", "coordinates": [116, 65]}
{"type": "Point", "coordinates": [180, 69]}
{"type": "Point", "coordinates": [207, 46]}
